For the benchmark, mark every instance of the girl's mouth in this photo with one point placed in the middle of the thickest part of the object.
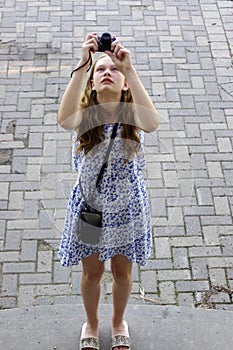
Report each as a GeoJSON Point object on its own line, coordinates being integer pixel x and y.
{"type": "Point", "coordinates": [107, 81]}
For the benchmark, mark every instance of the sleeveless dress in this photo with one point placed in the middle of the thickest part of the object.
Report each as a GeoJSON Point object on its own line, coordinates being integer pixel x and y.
{"type": "Point", "coordinates": [121, 196]}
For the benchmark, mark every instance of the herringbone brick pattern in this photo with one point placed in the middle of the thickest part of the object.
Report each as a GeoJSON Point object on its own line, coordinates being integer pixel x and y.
{"type": "Point", "coordinates": [183, 53]}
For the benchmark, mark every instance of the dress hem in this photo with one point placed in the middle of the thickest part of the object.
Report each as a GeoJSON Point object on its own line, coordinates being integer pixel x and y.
{"type": "Point", "coordinates": [66, 261]}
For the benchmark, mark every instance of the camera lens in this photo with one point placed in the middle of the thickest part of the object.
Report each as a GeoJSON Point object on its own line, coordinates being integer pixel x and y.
{"type": "Point", "coordinates": [106, 38]}
{"type": "Point", "coordinates": [104, 42]}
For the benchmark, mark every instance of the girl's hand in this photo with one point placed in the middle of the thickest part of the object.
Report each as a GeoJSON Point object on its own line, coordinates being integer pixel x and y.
{"type": "Point", "coordinates": [90, 43]}
{"type": "Point", "coordinates": [121, 57]}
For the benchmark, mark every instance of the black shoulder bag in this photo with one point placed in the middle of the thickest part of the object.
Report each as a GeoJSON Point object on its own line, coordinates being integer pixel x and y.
{"type": "Point", "coordinates": [90, 223]}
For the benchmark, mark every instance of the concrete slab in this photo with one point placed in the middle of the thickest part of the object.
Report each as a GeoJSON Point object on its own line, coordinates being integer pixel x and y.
{"type": "Point", "coordinates": [151, 327]}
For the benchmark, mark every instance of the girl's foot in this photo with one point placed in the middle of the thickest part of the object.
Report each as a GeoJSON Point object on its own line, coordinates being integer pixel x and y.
{"type": "Point", "coordinates": [120, 336]}
{"type": "Point", "coordinates": [89, 337]}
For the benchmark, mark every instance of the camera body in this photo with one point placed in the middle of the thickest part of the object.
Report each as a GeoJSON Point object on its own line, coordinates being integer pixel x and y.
{"type": "Point", "coordinates": [104, 42]}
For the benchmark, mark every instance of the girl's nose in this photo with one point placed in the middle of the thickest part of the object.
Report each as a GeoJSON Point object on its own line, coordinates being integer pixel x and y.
{"type": "Point", "coordinates": [107, 72]}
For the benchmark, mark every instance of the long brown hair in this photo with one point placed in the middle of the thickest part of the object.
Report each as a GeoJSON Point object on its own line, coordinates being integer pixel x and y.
{"type": "Point", "coordinates": [94, 134]}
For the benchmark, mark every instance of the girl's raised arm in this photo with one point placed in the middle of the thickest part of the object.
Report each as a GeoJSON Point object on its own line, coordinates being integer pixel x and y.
{"type": "Point", "coordinates": [68, 116]}
{"type": "Point", "coordinates": [146, 116]}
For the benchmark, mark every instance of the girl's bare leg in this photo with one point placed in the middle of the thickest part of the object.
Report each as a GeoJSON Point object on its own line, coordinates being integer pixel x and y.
{"type": "Point", "coordinates": [90, 288]}
{"type": "Point", "coordinates": [122, 284]}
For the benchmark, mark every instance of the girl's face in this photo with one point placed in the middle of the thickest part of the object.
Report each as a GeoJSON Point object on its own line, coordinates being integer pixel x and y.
{"type": "Point", "coordinates": [107, 79]}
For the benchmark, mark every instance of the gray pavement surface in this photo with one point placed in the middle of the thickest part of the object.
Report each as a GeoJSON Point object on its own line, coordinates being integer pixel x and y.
{"type": "Point", "coordinates": [57, 327]}
{"type": "Point", "coordinates": [182, 51]}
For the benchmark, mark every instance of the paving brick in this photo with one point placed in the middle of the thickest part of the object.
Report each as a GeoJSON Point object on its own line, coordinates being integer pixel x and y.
{"type": "Point", "coordinates": [204, 196]}
{"type": "Point", "coordinates": [167, 292]}
{"type": "Point", "coordinates": [9, 284]}
{"type": "Point", "coordinates": [34, 278]}
{"type": "Point", "coordinates": [174, 275]}
{"type": "Point", "coordinates": [224, 145]}
{"type": "Point", "coordinates": [28, 250]}
{"type": "Point", "coordinates": [211, 235]}
{"type": "Point", "coordinates": [26, 296]}
{"type": "Point", "coordinates": [4, 187]}
{"type": "Point", "coordinates": [192, 286]}
{"type": "Point", "coordinates": [22, 224]}
{"type": "Point", "coordinates": [62, 276]}
{"type": "Point", "coordinates": [227, 245]}
{"type": "Point", "coordinates": [217, 277]}
{"type": "Point", "coordinates": [72, 299]}
{"type": "Point", "coordinates": [44, 263]}
{"type": "Point", "coordinates": [157, 264]}
{"type": "Point", "coordinates": [52, 290]}
{"type": "Point", "coordinates": [35, 140]}
{"type": "Point", "coordinates": [2, 229]}
{"type": "Point", "coordinates": [16, 200]}
{"type": "Point", "coordinates": [20, 267]}
{"type": "Point", "coordinates": [162, 248]}
{"type": "Point", "coordinates": [8, 302]}
{"type": "Point", "coordinates": [175, 217]}
{"type": "Point", "coordinates": [149, 281]}
{"type": "Point", "coordinates": [31, 208]}
{"type": "Point", "coordinates": [6, 256]}
{"type": "Point", "coordinates": [186, 241]}
{"type": "Point", "coordinates": [12, 240]}
{"type": "Point", "coordinates": [180, 258]}
{"type": "Point", "coordinates": [218, 262]}
{"type": "Point", "coordinates": [193, 227]}
{"type": "Point", "coordinates": [170, 178]}
{"type": "Point", "coordinates": [199, 268]}
{"type": "Point", "coordinates": [216, 220]}
{"type": "Point", "coordinates": [186, 299]}
{"type": "Point", "coordinates": [221, 206]}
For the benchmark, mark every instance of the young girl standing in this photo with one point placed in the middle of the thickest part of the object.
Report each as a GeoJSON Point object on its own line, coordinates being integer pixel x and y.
{"type": "Point", "coordinates": [112, 86]}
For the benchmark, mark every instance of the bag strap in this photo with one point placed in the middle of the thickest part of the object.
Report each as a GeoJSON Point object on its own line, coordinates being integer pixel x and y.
{"type": "Point", "coordinates": [105, 162]}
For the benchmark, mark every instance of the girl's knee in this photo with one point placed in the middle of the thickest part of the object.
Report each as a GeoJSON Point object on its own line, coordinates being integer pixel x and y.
{"type": "Point", "coordinates": [93, 276]}
{"type": "Point", "coordinates": [121, 276]}
{"type": "Point", "coordinates": [121, 270]}
{"type": "Point", "coordinates": [93, 269]}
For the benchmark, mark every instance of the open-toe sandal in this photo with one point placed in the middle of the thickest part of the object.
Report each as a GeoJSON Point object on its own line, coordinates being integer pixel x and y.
{"type": "Point", "coordinates": [88, 342]}
{"type": "Point", "coordinates": [121, 340]}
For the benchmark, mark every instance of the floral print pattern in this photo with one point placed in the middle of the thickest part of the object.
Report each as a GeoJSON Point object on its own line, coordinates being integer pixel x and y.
{"type": "Point", "coordinates": [121, 196]}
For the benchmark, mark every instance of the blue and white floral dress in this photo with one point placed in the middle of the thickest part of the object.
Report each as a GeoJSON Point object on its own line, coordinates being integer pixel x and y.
{"type": "Point", "coordinates": [122, 197]}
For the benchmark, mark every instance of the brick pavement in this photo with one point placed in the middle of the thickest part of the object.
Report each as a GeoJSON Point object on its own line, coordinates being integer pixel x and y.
{"type": "Point", "coordinates": [183, 53]}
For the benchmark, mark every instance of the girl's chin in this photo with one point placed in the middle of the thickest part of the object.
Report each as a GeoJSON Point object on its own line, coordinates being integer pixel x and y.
{"type": "Point", "coordinates": [107, 91]}
{"type": "Point", "coordinates": [107, 86]}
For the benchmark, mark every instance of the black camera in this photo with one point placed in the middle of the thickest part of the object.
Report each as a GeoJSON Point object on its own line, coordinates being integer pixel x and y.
{"type": "Point", "coordinates": [104, 42]}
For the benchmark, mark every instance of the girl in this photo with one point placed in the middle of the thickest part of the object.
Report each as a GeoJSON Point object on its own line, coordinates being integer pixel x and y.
{"type": "Point", "coordinates": [113, 93]}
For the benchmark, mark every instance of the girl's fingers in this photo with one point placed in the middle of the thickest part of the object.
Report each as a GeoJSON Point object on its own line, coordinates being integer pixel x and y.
{"type": "Point", "coordinates": [91, 44]}
{"type": "Point", "coordinates": [114, 44]}
{"type": "Point", "coordinates": [91, 35]}
{"type": "Point", "coordinates": [91, 40]}
{"type": "Point", "coordinates": [118, 47]}
{"type": "Point", "coordinates": [120, 51]}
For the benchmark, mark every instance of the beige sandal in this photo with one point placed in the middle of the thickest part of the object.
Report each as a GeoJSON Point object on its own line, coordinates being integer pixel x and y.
{"type": "Point", "coordinates": [88, 342]}
{"type": "Point", "coordinates": [121, 340]}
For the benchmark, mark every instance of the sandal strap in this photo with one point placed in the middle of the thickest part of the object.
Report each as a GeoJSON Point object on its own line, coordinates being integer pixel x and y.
{"type": "Point", "coordinates": [120, 340]}
{"type": "Point", "coordinates": [89, 342]}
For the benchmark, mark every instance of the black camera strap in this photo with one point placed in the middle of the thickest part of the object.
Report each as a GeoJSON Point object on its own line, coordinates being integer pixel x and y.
{"type": "Point", "coordinates": [104, 44]}
{"type": "Point", "coordinates": [84, 64]}
{"type": "Point", "coordinates": [105, 162]}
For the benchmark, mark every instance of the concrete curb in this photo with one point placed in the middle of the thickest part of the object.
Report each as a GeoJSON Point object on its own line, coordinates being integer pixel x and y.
{"type": "Point", "coordinates": [151, 327]}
